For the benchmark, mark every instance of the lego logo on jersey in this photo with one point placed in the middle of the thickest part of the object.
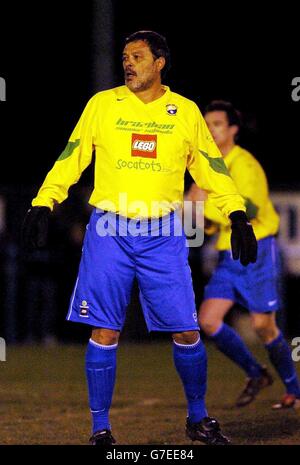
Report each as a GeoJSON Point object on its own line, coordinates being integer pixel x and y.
{"type": "Point", "coordinates": [144, 145]}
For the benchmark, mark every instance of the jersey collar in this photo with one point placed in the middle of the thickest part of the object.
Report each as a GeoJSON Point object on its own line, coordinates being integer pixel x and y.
{"type": "Point", "coordinates": [124, 92]}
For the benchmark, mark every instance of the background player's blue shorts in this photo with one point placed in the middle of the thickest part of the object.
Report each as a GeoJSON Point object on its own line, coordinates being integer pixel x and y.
{"type": "Point", "coordinates": [256, 286]}
{"type": "Point", "coordinates": [110, 263]}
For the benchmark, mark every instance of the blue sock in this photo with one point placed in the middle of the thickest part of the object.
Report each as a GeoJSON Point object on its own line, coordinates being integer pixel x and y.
{"type": "Point", "coordinates": [191, 364]}
{"type": "Point", "coordinates": [100, 364]}
{"type": "Point", "coordinates": [281, 358]}
{"type": "Point", "coordinates": [230, 343]}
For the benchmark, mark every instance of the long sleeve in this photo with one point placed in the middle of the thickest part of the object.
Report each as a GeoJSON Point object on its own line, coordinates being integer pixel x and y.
{"type": "Point", "coordinates": [76, 156]}
{"type": "Point", "coordinates": [251, 183]}
{"type": "Point", "coordinates": [255, 194]}
{"type": "Point", "coordinates": [211, 212]}
{"type": "Point", "coordinates": [244, 170]}
{"type": "Point", "coordinates": [207, 167]}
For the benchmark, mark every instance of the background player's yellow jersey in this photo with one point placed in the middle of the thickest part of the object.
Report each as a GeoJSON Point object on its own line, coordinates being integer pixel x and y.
{"type": "Point", "coordinates": [250, 179]}
{"type": "Point", "coordinates": [141, 154]}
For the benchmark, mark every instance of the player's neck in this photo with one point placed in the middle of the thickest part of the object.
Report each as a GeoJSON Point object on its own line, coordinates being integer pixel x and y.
{"type": "Point", "coordinates": [226, 148]}
{"type": "Point", "coordinates": [153, 93]}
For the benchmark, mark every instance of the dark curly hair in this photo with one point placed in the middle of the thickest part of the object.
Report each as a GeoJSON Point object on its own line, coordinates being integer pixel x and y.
{"type": "Point", "coordinates": [157, 44]}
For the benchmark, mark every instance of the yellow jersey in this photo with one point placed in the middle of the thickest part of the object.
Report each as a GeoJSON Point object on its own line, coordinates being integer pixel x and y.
{"type": "Point", "coordinates": [251, 181]}
{"type": "Point", "coordinates": [141, 154]}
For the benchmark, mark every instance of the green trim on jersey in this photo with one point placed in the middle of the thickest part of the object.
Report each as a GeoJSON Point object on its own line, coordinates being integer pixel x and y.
{"type": "Point", "coordinates": [70, 147]}
{"type": "Point", "coordinates": [251, 208]}
{"type": "Point", "coordinates": [217, 164]}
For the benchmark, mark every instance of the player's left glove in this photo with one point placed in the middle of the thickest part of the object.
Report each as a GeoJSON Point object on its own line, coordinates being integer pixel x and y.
{"type": "Point", "coordinates": [35, 228]}
{"type": "Point", "coordinates": [243, 240]}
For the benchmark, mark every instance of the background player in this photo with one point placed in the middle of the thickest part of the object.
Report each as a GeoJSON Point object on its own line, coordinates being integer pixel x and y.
{"type": "Point", "coordinates": [254, 287]}
{"type": "Point", "coordinates": [144, 137]}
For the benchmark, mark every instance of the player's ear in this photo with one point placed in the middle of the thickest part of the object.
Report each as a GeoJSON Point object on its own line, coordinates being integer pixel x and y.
{"type": "Point", "coordinates": [234, 130]}
{"type": "Point", "coordinates": [160, 63]}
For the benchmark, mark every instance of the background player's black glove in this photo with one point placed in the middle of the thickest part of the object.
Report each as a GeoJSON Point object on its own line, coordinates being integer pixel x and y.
{"type": "Point", "coordinates": [35, 228]}
{"type": "Point", "coordinates": [243, 240]}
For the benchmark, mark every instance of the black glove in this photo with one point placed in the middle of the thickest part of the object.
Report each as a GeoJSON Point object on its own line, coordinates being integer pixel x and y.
{"type": "Point", "coordinates": [35, 228]}
{"type": "Point", "coordinates": [243, 240]}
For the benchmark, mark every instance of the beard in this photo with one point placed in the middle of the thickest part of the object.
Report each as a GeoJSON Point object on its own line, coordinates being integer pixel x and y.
{"type": "Point", "coordinates": [140, 84]}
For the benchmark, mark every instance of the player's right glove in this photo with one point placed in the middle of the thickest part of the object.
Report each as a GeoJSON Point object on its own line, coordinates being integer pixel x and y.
{"type": "Point", "coordinates": [243, 240]}
{"type": "Point", "coordinates": [35, 228]}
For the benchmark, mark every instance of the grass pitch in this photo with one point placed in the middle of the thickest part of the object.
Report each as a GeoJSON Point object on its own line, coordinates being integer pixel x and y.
{"type": "Point", "coordinates": [44, 398]}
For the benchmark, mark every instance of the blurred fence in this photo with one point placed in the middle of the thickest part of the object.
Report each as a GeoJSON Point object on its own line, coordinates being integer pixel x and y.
{"type": "Point", "coordinates": [36, 288]}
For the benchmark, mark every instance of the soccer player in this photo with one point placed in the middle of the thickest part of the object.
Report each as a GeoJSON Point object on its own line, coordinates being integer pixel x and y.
{"type": "Point", "coordinates": [254, 287]}
{"type": "Point", "coordinates": [144, 136]}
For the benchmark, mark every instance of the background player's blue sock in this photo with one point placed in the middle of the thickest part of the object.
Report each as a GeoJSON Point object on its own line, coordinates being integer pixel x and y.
{"type": "Point", "coordinates": [230, 343]}
{"type": "Point", "coordinates": [281, 358]}
{"type": "Point", "coordinates": [100, 364]}
{"type": "Point", "coordinates": [191, 364]}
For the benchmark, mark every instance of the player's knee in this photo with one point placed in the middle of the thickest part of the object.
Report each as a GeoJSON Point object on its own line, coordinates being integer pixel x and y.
{"type": "Point", "coordinates": [186, 337]}
{"type": "Point", "coordinates": [104, 336]}
{"type": "Point", "coordinates": [266, 330]}
{"type": "Point", "coordinates": [208, 324]}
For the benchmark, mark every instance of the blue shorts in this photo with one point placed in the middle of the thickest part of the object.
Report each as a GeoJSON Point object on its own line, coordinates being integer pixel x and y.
{"type": "Point", "coordinates": [110, 263]}
{"type": "Point", "coordinates": [256, 286]}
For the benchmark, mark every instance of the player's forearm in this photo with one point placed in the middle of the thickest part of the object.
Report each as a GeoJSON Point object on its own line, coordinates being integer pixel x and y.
{"type": "Point", "coordinates": [49, 195]}
{"type": "Point", "coordinates": [227, 203]}
{"type": "Point", "coordinates": [62, 176]}
{"type": "Point", "coordinates": [214, 215]}
{"type": "Point", "coordinates": [212, 175]}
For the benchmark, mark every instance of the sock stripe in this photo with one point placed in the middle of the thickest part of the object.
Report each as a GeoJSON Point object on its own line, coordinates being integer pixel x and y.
{"type": "Point", "coordinates": [187, 346]}
{"type": "Point", "coordinates": [101, 346]}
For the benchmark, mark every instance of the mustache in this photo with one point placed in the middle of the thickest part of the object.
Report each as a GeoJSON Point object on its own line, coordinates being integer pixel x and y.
{"type": "Point", "coordinates": [129, 72]}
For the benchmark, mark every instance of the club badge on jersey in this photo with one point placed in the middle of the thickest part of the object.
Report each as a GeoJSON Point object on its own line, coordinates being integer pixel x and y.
{"type": "Point", "coordinates": [171, 109]}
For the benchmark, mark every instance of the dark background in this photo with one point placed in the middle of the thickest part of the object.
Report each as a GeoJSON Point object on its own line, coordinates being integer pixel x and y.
{"type": "Point", "coordinates": [247, 55]}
